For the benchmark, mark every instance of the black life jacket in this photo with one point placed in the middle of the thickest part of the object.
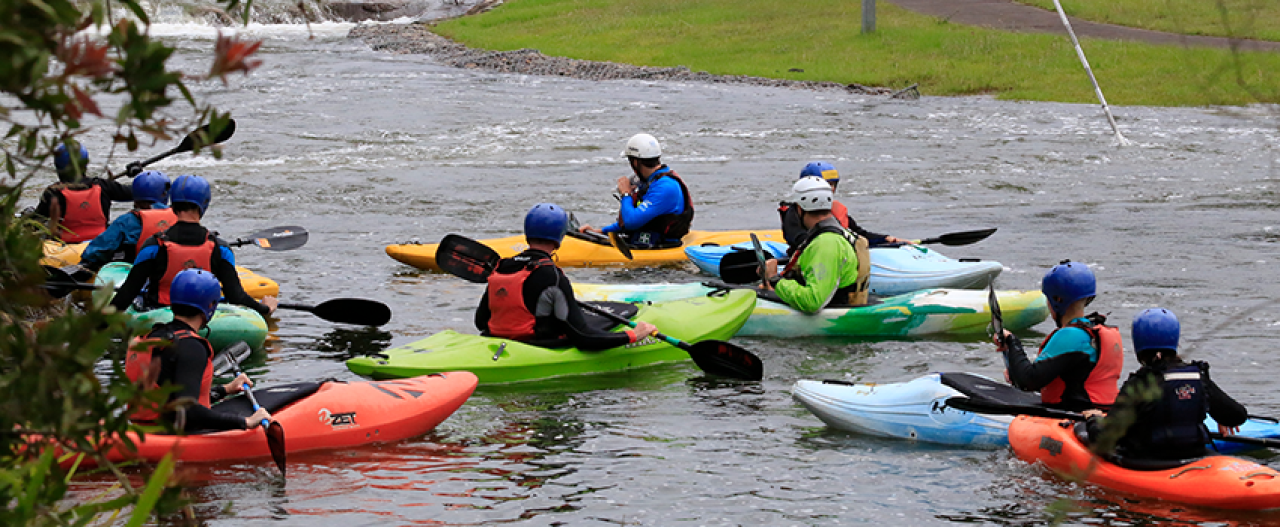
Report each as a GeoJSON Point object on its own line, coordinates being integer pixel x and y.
{"type": "Point", "coordinates": [854, 294]}
{"type": "Point", "coordinates": [668, 226]}
{"type": "Point", "coordinates": [1177, 419]}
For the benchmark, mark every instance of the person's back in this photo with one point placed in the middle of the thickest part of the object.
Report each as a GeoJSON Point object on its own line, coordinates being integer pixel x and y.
{"type": "Point", "coordinates": [77, 207]}
{"type": "Point", "coordinates": [530, 300]}
{"type": "Point", "coordinates": [831, 266]}
{"type": "Point", "coordinates": [1168, 399]}
{"type": "Point", "coordinates": [126, 235]}
{"type": "Point", "coordinates": [1079, 364]}
{"type": "Point", "coordinates": [655, 209]}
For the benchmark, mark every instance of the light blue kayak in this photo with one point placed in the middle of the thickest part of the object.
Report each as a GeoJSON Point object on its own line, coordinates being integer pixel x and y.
{"type": "Point", "coordinates": [917, 410]}
{"type": "Point", "coordinates": [894, 270]}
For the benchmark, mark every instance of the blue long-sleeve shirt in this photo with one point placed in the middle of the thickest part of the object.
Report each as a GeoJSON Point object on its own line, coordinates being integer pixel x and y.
{"type": "Point", "coordinates": [663, 197]}
{"type": "Point", "coordinates": [123, 232]}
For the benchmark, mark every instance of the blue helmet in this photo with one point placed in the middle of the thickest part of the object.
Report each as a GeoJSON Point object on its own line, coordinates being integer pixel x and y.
{"type": "Point", "coordinates": [1066, 283]}
{"type": "Point", "coordinates": [546, 221]}
{"type": "Point", "coordinates": [68, 172]}
{"type": "Point", "coordinates": [196, 288]}
{"type": "Point", "coordinates": [192, 189]}
{"type": "Point", "coordinates": [1156, 329]}
{"type": "Point", "coordinates": [821, 169]}
{"type": "Point", "coordinates": [151, 186]}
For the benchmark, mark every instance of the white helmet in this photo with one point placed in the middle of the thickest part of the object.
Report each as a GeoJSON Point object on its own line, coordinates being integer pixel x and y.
{"type": "Point", "coordinates": [642, 146]}
{"type": "Point", "coordinates": [813, 194]}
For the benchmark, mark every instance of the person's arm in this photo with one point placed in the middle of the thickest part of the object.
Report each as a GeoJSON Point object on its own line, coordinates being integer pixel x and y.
{"type": "Point", "coordinates": [104, 246]}
{"type": "Point", "coordinates": [114, 190]}
{"type": "Point", "coordinates": [42, 207]}
{"type": "Point", "coordinates": [663, 197]}
{"type": "Point", "coordinates": [143, 267]}
{"type": "Point", "coordinates": [562, 304]}
{"type": "Point", "coordinates": [1033, 376]}
{"type": "Point", "coordinates": [873, 238]}
{"type": "Point", "coordinates": [820, 264]}
{"type": "Point", "coordinates": [224, 268]}
{"type": "Point", "coordinates": [1225, 410]}
{"type": "Point", "coordinates": [793, 230]}
{"type": "Point", "coordinates": [483, 314]}
{"type": "Point", "coordinates": [189, 361]}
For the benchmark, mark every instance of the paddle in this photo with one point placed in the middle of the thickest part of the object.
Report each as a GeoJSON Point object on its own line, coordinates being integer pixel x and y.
{"type": "Point", "coordinates": [356, 311]}
{"type": "Point", "coordinates": [620, 244]}
{"type": "Point", "coordinates": [274, 430]}
{"type": "Point", "coordinates": [225, 361]}
{"type": "Point", "coordinates": [761, 260]}
{"type": "Point", "coordinates": [988, 407]}
{"type": "Point", "coordinates": [739, 267]}
{"type": "Point", "coordinates": [275, 239]}
{"type": "Point", "coordinates": [474, 262]}
{"type": "Point", "coordinates": [196, 137]}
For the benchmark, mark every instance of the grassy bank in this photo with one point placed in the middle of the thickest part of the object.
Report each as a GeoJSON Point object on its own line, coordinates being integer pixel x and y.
{"type": "Point", "coordinates": [822, 37]}
{"type": "Point", "coordinates": [1256, 19]}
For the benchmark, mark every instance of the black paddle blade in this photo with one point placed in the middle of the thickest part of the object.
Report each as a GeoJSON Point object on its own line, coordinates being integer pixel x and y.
{"type": "Point", "coordinates": [198, 136]}
{"type": "Point", "coordinates": [726, 360]}
{"type": "Point", "coordinates": [620, 244]}
{"type": "Point", "coordinates": [275, 442]}
{"type": "Point", "coordinates": [961, 238]}
{"type": "Point", "coordinates": [739, 267]}
{"type": "Point", "coordinates": [997, 319]}
{"type": "Point", "coordinates": [356, 311]}
{"type": "Point", "coordinates": [465, 258]}
{"type": "Point", "coordinates": [278, 238]}
{"type": "Point", "coordinates": [760, 257]}
{"type": "Point", "coordinates": [230, 358]}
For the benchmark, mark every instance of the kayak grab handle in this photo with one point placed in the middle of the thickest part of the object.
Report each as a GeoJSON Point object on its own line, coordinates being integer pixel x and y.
{"type": "Point", "coordinates": [501, 347]}
{"type": "Point", "coordinates": [1188, 469]}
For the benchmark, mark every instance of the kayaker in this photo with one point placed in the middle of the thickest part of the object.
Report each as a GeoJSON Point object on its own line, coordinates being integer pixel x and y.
{"type": "Point", "coordinates": [1168, 398]}
{"type": "Point", "coordinates": [831, 266]}
{"type": "Point", "coordinates": [793, 230]}
{"type": "Point", "coordinates": [529, 298]}
{"type": "Point", "coordinates": [127, 233]}
{"type": "Point", "coordinates": [77, 207]}
{"type": "Point", "coordinates": [186, 244]}
{"type": "Point", "coordinates": [1079, 364]}
{"type": "Point", "coordinates": [656, 209]}
{"type": "Point", "coordinates": [187, 363]}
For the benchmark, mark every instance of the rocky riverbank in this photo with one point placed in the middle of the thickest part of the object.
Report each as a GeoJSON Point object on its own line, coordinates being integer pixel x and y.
{"type": "Point", "coordinates": [418, 38]}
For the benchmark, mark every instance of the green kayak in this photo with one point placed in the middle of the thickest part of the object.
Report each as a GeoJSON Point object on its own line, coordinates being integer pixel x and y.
{"type": "Point", "coordinates": [497, 360]}
{"type": "Point", "coordinates": [230, 324]}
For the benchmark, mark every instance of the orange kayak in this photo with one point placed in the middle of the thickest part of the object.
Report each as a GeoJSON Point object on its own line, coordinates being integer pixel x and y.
{"type": "Point", "coordinates": [336, 415]}
{"type": "Point", "coordinates": [1220, 482]}
{"type": "Point", "coordinates": [576, 252]}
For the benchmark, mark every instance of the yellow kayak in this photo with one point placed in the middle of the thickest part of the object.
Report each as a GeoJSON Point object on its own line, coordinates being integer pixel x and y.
{"type": "Point", "coordinates": [58, 254]}
{"type": "Point", "coordinates": [575, 252]}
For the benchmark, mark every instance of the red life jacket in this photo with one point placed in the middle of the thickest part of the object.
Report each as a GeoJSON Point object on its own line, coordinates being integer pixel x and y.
{"type": "Point", "coordinates": [841, 213]}
{"type": "Point", "coordinates": [154, 221]}
{"type": "Point", "coordinates": [1101, 384]}
{"type": "Point", "coordinates": [510, 317]}
{"type": "Point", "coordinates": [669, 226]}
{"type": "Point", "coordinates": [142, 366]}
{"type": "Point", "coordinates": [181, 257]}
{"type": "Point", "coordinates": [82, 217]}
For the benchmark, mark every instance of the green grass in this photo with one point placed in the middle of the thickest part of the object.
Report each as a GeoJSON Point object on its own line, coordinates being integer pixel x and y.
{"type": "Point", "coordinates": [1256, 19]}
{"type": "Point", "coordinates": [767, 38]}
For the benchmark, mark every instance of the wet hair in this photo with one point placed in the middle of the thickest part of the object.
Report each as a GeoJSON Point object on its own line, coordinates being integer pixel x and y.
{"type": "Point", "coordinates": [1147, 356]}
{"type": "Point", "coordinates": [183, 206]}
{"type": "Point", "coordinates": [653, 162]}
{"type": "Point", "coordinates": [187, 311]}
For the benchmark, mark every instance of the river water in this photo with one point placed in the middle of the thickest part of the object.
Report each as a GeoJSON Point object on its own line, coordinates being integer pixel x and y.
{"type": "Point", "coordinates": [365, 148]}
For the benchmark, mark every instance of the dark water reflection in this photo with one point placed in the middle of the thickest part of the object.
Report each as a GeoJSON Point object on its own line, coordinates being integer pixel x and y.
{"type": "Point", "coordinates": [366, 149]}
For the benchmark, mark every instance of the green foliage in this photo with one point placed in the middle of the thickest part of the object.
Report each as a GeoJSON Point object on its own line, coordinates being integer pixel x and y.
{"type": "Point", "coordinates": [1254, 19]}
{"type": "Point", "coordinates": [55, 412]}
{"type": "Point", "coordinates": [823, 38]}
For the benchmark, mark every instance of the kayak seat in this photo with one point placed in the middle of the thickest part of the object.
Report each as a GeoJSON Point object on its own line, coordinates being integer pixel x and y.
{"type": "Point", "coordinates": [600, 239]}
{"type": "Point", "coordinates": [272, 398]}
{"type": "Point", "coordinates": [983, 389]}
{"type": "Point", "coordinates": [1081, 430]}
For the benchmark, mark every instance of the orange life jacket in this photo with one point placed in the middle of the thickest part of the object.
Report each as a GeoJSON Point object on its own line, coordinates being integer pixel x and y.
{"type": "Point", "coordinates": [82, 217]}
{"type": "Point", "coordinates": [841, 213]}
{"type": "Point", "coordinates": [142, 366]}
{"type": "Point", "coordinates": [182, 257]}
{"type": "Point", "coordinates": [1101, 384]}
{"type": "Point", "coordinates": [154, 221]}
{"type": "Point", "coordinates": [510, 317]}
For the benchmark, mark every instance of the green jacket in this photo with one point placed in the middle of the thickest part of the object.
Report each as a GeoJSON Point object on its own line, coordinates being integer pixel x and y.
{"type": "Point", "coordinates": [827, 264]}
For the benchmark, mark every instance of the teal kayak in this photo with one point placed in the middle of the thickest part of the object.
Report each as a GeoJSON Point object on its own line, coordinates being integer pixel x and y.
{"type": "Point", "coordinates": [498, 360]}
{"type": "Point", "coordinates": [230, 324]}
{"type": "Point", "coordinates": [929, 312]}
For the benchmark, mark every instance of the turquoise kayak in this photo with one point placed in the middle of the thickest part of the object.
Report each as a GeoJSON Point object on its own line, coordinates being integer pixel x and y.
{"type": "Point", "coordinates": [930, 312]}
{"type": "Point", "coordinates": [894, 270]}
{"type": "Point", "coordinates": [498, 360]}
{"type": "Point", "coordinates": [916, 410]}
{"type": "Point", "coordinates": [230, 323]}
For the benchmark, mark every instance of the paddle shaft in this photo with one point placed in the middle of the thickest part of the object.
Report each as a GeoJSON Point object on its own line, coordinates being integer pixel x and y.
{"type": "Point", "coordinates": [605, 313]}
{"type": "Point", "coordinates": [188, 144]}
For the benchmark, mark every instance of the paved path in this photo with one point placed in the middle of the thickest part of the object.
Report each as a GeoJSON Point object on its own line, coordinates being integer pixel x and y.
{"type": "Point", "coordinates": [1010, 16]}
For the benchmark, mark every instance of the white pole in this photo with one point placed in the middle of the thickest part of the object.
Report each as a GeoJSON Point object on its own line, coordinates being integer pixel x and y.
{"type": "Point", "coordinates": [1097, 89]}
